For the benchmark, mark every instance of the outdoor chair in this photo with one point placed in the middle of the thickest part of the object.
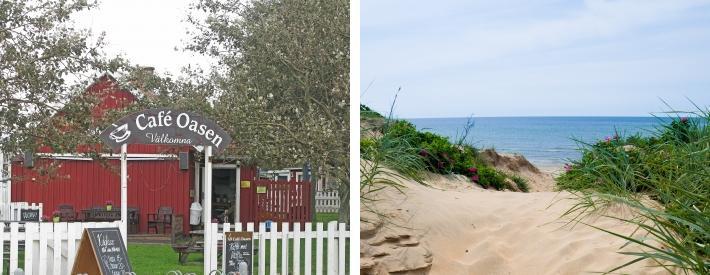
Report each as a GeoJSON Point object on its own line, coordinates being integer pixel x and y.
{"type": "Point", "coordinates": [133, 219]}
{"type": "Point", "coordinates": [67, 213]}
{"type": "Point", "coordinates": [161, 219]}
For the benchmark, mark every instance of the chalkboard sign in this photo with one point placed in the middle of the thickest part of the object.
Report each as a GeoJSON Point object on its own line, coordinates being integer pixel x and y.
{"type": "Point", "coordinates": [102, 251]}
{"type": "Point", "coordinates": [29, 215]}
{"type": "Point", "coordinates": [238, 253]}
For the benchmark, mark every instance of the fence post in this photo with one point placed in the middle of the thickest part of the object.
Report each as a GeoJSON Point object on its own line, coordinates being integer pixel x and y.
{"type": "Point", "coordinates": [297, 248]}
{"type": "Point", "coordinates": [341, 249]}
{"type": "Point", "coordinates": [14, 238]}
{"type": "Point", "coordinates": [273, 241]}
{"type": "Point", "coordinates": [284, 248]}
{"type": "Point", "coordinates": [309, 236]}
{"type": "Point", "coordinates": [57, 247]}
{"type": "Point", "coordinates": [319, 248]}
{"type": "Point", "coordinates": [262, 248]}
{"type": "Point", "coordinates": [45, 228]}
{"type": "Point", "coordinates": [73, 234]}
{"type": "Point", "coordinates": [332, 248]}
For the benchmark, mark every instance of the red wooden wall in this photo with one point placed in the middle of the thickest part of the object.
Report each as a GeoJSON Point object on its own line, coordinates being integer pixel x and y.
{"type": "Point", "coordinates": [84, 184]}
{"type": "Point", "coordinates": [247, 212]}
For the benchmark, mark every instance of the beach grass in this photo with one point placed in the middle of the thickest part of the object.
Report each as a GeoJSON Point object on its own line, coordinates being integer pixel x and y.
{"type": "Point", "coordinates": [665, 178]}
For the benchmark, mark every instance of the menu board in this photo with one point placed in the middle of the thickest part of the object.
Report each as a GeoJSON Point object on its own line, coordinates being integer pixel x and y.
{"type": "Point", "coordinates": [29, 215]}
{"type": "Point", "coordinates": [102, 252]}
{"type": "Point", "coordinates": [238, 253]}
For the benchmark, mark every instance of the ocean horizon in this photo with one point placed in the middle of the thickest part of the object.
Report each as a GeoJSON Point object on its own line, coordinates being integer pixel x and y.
{"type": "Point", "coordinates": [546, 141]}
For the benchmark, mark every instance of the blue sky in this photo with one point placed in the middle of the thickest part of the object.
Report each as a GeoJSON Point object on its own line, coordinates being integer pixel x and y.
{"type": "Point", "coordinates": [534, 58]}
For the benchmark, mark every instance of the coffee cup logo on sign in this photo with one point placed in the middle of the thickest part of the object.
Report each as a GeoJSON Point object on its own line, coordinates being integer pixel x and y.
{"type": "Point", "coordinates": [123, 131]}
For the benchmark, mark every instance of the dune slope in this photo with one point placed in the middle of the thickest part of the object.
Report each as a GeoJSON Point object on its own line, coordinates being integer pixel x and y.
{"type": "Point", "coordinates": [452, 227]}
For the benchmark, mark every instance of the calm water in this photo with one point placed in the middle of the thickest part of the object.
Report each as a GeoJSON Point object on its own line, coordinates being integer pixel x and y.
{"type": "Point", "coordinates": [545, 141]}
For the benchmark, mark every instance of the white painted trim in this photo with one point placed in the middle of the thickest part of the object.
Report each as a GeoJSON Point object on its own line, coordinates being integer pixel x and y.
{"type": "Point", "coordinates": [124, 194]}
{"type": "Point", "coordinates": [207, 207]}
{"type": "Point", "coordinates": [9, 182]}
{"type": "Point", "coordinates": [109, 156]}
{"type": "Point", "coordinates": [198, 191]}
{"type": "Point", "coordinates": [224, 166]}
{"type": "Point", "coordinates": [112, 158]}
{"type": "Point", "coordinates": [237, 196]}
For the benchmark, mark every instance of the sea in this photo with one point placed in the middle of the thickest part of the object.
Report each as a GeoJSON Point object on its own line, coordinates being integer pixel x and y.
{"type": "Point", "coordinates": [547, 142]}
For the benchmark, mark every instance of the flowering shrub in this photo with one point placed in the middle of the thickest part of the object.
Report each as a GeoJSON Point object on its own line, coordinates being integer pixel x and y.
{"type": "Point", "coordinates": [56, 213]}
{"type": "Point", "coordinates": [436, 152]}
{"type": "Point", "coordinates": [443, 157]}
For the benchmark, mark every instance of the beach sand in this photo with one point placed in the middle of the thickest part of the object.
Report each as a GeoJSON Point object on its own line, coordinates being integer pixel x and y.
{"type": "Point", "coordinates": [455, 227]}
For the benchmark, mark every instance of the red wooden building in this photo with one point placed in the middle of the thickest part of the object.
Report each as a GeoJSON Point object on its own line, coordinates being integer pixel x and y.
{"type": "Point", "coordinates": [155, 179]}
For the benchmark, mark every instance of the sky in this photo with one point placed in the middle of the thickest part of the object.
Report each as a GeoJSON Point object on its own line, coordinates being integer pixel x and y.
{"type": "Point", "coordinates": [146, 32]}
{"type": "Point", "coordinates": [456, 58]}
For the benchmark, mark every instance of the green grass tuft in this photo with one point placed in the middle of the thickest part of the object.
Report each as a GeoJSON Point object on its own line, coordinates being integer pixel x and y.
{"type": "Point", "coordinates": [672, 169]}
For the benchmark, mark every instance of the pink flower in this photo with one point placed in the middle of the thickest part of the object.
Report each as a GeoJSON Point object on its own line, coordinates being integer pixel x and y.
{"type": "Point", "coordinates": [474, 178]}
{"type": "Point", "coordinates": [56, 213]}
{"type": "Point", "coordinates": [568, 167]}
{"type": "Point", "coordinates": [473, 170]}
{"type": "Point", "coordinates": [608, 139]}
{"type": "Point", "coordinates": [423, 153]}
{"type": "Point", "coordinates": [684, 119]}
{"type": "Point", "coordinates": [109, 202]}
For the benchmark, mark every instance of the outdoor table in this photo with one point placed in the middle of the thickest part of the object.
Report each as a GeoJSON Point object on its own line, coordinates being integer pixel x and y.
{"type": "Point", "coordinates": [101, 214]}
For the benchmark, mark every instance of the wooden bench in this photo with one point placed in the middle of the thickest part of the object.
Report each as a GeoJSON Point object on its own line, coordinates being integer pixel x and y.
{"type": "Point", "coordinates": [182, 243]}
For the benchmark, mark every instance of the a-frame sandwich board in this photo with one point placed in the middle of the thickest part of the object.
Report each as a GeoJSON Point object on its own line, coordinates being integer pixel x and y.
{"type": "Point", "coordinates": [101, 251]}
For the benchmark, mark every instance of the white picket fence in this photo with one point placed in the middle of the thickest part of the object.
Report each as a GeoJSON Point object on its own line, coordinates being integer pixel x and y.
{"type": "Point", "coordinates": [49, 248]}
{"type": "Point", "coordinates": [11, 211]}
{"type": "Point", "coordinates": [327, 202]}
{"type": "Point", "coordinates": [330, 242]}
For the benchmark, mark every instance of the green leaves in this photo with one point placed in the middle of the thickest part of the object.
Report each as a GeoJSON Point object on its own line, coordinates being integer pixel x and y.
{"type": "Point", "coordinates": [45, 65]}
{"type": "Point", "coordinates": [282, 78]}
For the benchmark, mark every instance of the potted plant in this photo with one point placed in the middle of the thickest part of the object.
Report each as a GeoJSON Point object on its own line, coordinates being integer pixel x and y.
{"type": "Point", "coordinates": [109, 205]}
{"type": "Point", "coordinates": [56, 216]}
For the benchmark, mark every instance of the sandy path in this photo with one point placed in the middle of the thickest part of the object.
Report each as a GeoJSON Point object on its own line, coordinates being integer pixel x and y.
{"type": "Point", "coordinates": [455, 228]}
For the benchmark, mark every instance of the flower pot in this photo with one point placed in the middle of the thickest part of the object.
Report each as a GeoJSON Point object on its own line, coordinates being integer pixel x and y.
{"type": "Point", "coordinates": [55, 219]}
{"type": "Point", "coordinates": [109, 207]}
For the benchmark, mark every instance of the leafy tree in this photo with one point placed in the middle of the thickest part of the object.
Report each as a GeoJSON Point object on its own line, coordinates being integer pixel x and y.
{"type": "Point", "coordinates": [281, 80]}
{"type": "Point", "coordinates": [45, 63]}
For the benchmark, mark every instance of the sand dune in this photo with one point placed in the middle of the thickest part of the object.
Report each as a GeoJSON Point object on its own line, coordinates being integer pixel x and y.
{"type": "Point", "coordinates": [454, 227]}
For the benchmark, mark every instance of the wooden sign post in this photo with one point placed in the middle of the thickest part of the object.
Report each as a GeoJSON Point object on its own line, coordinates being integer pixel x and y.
{"type": "Point", "coordinates": [169, 127]}
{"type": "Point", "coordinates": [238, 253]}
{"type": "Point", "coordinates": [102, 251]}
